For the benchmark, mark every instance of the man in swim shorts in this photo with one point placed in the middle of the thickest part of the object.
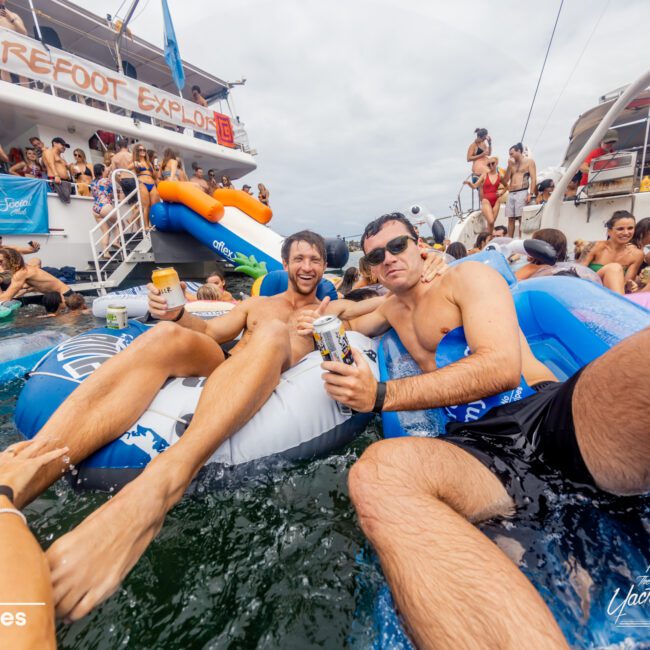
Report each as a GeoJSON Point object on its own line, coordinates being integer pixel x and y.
{"type": "Point", "coordinates": [520, 177]}
{"type": "Point", "coordinates": [89, 563]}
{"type": "Point", "coordinates": [417, 498]}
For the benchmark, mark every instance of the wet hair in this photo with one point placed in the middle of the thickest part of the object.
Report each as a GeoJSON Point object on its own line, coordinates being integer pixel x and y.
{"type": "Point", "coordinates": [457, 250]}
{"type": "Point", "coordinates": [349, 278]}
{"type": "Point", "coordinates": [311, 238]}
{"type": "Point", "coordinates": [75, 301]}
{"type": "Point", "coordinates": [641, 231]}
{"type": "Point", "coordinates": [357, 295]}
{"type": "Point", "coordinates": [481, 133]}
{"type": "Point", "coordinates": [505, 230]}
{"type": "Point", "coordinates": [375, 226]}
{"type": "Point", "coordinates": [481, 239]}
{"type": "Point", "coordinates": [555, 238]}
{"type": "Point", "coordinates": [195, 87]}
{"type": "Point", "coordinates": [5, 280]}
{"type": "Point", "coordinates": [218, 272]}
{"type": "Point", "coordinates": [208, 292]}
{"type": "Point", "coordinates": [617, 216]}
{"type": "Point", "coordinates": [98, 169]}
{"type": "Point", "coordinates": [518, 147]}
{"type": "Point", "coordinates": [544, 185]}
{"type": "Point", "coordinates": [12, 260]}
{"type": "Point", "coordinates": [51, 300]}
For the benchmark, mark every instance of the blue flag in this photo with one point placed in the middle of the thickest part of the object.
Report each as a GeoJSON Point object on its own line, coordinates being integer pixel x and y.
{"type": "Point", "coordinates": [23, 206]}
{"type": "Point", "coordinates": [172, 53]}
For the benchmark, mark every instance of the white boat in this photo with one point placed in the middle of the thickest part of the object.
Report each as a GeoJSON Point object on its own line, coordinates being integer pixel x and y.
{"type": "Point", "coordinates": [614, 180]}
{"type": "Point", "coordinates": [85, 79]}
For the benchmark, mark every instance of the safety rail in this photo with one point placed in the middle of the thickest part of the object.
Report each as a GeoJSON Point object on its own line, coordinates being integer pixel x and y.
{"type": "Point", "coordinates": [124, 227]}
{"type": "Point", "coordinates": [457, 206]}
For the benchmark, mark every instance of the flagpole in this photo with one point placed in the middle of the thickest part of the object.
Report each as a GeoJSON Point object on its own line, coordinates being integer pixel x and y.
{"type": "Point", "coordinates": [125, 22]}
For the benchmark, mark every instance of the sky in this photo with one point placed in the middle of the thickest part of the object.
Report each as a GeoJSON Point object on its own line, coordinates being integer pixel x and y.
{"type": "Point", "coordinates": [362, 107]}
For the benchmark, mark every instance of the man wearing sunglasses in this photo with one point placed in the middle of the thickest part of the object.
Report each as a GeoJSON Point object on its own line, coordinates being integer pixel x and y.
{"type": "Point", "coordinates": [416, 497]}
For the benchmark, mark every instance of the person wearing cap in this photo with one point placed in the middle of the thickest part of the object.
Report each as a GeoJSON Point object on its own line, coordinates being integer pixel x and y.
{"type": "Point", "coordinates": [247, 189]}
{"type": "Point", "coordinates": [57, 169]}
{"type": "Point", "coordinates": [607, 145]}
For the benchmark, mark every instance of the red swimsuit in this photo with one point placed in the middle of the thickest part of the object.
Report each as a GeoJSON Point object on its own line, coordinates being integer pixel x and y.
{"type": "Point", "coordinates": [490, 189]}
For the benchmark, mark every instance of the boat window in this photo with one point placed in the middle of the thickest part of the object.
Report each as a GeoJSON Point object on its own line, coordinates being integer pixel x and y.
{"type": "Point", "coordinates": [129, 69]}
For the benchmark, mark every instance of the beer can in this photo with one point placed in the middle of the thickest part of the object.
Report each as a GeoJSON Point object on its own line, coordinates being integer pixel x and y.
{"type": "Point", "coordinates": [116, 317]}
{"type": "Point", "coordinates": [169, 285]}
{"type": "Point", "coordinates": [333, 344]}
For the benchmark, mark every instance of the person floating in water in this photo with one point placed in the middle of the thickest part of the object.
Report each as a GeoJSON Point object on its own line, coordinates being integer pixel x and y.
{"type": "Point", "coordinates": [417, 498]}
{"type": "Point", "coordinates": [89, 563]}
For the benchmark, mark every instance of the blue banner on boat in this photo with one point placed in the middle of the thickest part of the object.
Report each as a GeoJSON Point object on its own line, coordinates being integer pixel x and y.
{"type": "Point", "coordinates": [23, 206]}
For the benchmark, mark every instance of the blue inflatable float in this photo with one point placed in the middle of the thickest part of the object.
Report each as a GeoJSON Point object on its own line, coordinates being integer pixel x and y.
{"type": "Point", "coordinates": [568, 322]}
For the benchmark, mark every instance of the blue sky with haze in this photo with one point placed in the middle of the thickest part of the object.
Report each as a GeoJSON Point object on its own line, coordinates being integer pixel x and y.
{"type": "Point", "coordinates": [361, 107]}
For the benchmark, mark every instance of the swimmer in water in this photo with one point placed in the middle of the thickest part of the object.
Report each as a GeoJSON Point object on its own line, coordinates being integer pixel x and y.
{"type": "Point", "coordinates": [89, 563]}
{"type": "Point", "coordinates": [417, 498]}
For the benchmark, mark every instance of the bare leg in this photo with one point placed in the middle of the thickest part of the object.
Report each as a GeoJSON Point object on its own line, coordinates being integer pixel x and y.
{"type": "Point", "coordinates": [613, 277]}
{"type": "Point", "coordinates": [489, 215]}
{"type": "Point", "coordinates": [89, 563]}
{"type": "Point", "coordinates": [146, 204]}
{"type": "Point", "coordinates": [120, 392]}
{"type": "Point", "coordinates": [610, 414]}
{"type": "Point", "coordinates": [454, 587]}
{"type": "Point", "coordinates": [511, 227]}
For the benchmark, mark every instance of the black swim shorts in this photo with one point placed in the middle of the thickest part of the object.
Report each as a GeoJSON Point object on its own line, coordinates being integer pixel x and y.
{"type": "Point", "coordinates": [535, 434]}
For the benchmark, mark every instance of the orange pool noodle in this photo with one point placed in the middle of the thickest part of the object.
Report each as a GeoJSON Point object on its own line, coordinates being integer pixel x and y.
{"type": "Point", "coordinates": [193, 197]}
{"type": "Point", "coordinates": [245, 202]}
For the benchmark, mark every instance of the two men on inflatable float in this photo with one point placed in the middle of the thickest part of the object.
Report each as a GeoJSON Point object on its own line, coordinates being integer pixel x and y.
{"type": "Point", "coordinates": [414, 496]}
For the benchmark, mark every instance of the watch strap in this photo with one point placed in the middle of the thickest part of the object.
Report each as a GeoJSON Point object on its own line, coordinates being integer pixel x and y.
{"type": "Point", "coordinates": [8, 492]}
{"type": "Point", "coordinates": [380, 397]}
{"type": "Point", "coordinates": [180, 315]}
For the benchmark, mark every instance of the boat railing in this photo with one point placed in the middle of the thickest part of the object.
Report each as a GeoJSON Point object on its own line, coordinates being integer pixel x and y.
{"type": "Point", "coordinates": [125, 228]}
{"type": "Point", "coordinates": [457, 205]}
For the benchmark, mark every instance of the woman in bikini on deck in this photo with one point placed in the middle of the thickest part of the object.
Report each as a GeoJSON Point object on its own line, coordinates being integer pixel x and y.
{"type": "Point", "coordinates": [144, 170]}
{"type": "Point", "coordinates": [479, 152]}
{"type": "Point", "coordinates": [81, 173]}
{"type": "Point", "coordinates": [490, 181]}
{"type": "Point", "coordinates": [617, 260]}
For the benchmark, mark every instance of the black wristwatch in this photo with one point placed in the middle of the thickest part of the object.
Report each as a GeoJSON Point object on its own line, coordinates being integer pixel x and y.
{"type": "Point", "coordinates": [380, 397]}
{"type": "Point", "coordinates": [181, 313]}
{"type": "Point", "coordinates": [8, 492]}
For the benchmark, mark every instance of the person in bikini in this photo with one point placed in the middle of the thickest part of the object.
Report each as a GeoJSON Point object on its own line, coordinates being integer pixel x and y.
{"type": "Point", "coordinates": [81, 173]}
{"type": "Point", "coordinates": [89, 563]}
{"type": "Point", "coordinates": [617, 260]}
{"type": "Point", "coordinates": [478, 153]}
{"type": "Point", "coordinates": [30, 167]}
{"type": "Point", "coordinates": [101, 190]}
{"type": "Point", "coordinates": [418, 498]}
{"type": "Point", "coordinates": [143, 169]}
{"type": "Point", "coordinates": [520, 176]}
{"type": "Point", "coordinates": [492, 185]}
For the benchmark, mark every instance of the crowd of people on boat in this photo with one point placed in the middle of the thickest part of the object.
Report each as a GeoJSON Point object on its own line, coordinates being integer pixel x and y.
{"type": "Point", "coordinates": [415, 497]}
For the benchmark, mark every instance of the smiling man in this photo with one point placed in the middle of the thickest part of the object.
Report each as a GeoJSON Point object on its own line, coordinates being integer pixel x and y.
{"type": "Point", "coordinates": [89, 563]}
{"type": "Point", "coordinates": [417, 497]}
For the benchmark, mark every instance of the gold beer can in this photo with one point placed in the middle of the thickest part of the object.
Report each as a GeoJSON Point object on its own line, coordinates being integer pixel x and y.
{"type": "Point", "coordinates": [169, 285]}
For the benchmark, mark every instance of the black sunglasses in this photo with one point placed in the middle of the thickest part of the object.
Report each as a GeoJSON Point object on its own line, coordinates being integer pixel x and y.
{"type": "Point", "coordinates": [394, 247]}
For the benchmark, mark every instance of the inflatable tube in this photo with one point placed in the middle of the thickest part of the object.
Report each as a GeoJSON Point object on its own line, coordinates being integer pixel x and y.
{"type": "Point", "coordinates": [209, 308]}
{"type": "Point", "coordinates": [193, 197]}
{"type": "Point", "coordinates": [540, 251]}
{"type": "Point", "coordinates": [243, 201]}
{"type": "Point", "coordinates": [641, 298]}
{"type": "Point", "coordinates": [299, 421]}
{"type": "Point", "coordinates": [8, 309]}
{"type": "Point", "coordinates": [19, 353]}
{"type": "Point", "coordinates": [278, 281]}
{"type": "Point", "coordinates": [233, 237]}
{"type": "Point", "coordinates": [569, 269]}
{"type": "Point", "coordinates": [338, 253]}
{"type": "Point", "coordinates": [136, 305]}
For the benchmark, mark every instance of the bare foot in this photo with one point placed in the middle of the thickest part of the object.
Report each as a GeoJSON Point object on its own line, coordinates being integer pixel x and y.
{"type": "Point", "coordinates": [89, 563]}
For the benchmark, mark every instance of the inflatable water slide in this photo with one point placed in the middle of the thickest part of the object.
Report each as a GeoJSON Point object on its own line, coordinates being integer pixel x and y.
{"type": "Point", "coordinates": [230, 222]}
